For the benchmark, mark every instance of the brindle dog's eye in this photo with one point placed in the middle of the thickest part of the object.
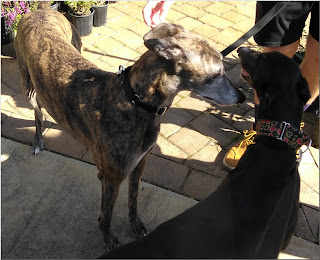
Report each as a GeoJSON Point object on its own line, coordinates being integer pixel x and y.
{"type": "Point", "coordinates": [215, 75]}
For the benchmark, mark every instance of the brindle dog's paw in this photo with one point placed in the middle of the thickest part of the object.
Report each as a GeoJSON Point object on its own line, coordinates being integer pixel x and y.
{"type": "Point", "coordinates": [37, 146]}
{"type": "Point", "coordinates": [111, 242]}
{"type": "Point", "coordinates": [138, 228]}
{"type": "Point", "coordinates": [36, 150]}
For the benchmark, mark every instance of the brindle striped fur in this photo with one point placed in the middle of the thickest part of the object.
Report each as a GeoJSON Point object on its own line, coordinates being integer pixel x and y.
{"type": "Point", "coordinates": [91, 105]}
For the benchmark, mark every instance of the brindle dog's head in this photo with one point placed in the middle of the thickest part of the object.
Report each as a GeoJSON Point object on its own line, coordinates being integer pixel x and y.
{"type": "Point", "coordinates": [196, 62]}
{"type": "Point", "coordinates": [277, 79]}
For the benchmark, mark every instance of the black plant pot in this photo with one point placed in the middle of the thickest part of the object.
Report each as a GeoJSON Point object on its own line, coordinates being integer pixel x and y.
{"type": "Point", "coordinates": [100, 15]}
{"type": "Point", "coordinates": [83, 23]}
{"type": "Point", "coordinates": [6, 37]}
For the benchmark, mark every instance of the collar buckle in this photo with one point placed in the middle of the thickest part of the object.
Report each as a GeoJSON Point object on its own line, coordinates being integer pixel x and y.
{"type": "Point", "coordinates": [121, 69]}
{"type": "Point", "coordinates": [135, 99]}
{"type": "Point", "coordinates": [161, 110]}
{"type": "Point", "coordinates": [283, 130]}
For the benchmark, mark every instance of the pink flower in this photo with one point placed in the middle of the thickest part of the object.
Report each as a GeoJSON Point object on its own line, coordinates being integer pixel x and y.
{"type": "Point", "coordinates": [22, 4]}
{"type": "Point", "coordinates": [17, 9]}
{"type": "Point", "coordinates": [12, 15]}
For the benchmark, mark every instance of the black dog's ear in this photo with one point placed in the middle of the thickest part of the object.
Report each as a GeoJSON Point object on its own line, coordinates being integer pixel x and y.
{"type": "Point", "coordinates": [265, 96]}
{"type": "Point", "coordinates": [303, 89]}
{"type": "Point", "coordinates": [259, 88]}
{"type": "Point", "coordinates": [162, 40]}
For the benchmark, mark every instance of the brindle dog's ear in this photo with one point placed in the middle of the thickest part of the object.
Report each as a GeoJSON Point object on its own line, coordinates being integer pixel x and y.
{"type": "Point", "coordinates": [162, 40]}
{"type": "Point", "coordinates": [303, 90]}
{"type": "Point", "coordinates": [166, 48]}
{"type": "Point", "coordinates": [163, 30]}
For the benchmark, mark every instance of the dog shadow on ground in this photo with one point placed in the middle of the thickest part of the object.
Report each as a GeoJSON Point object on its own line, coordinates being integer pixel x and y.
{"type": "Point", "coordinates": [195, 174]}
{"type": "Point", "coordinates": [160, 167]}
{"type": "Point", "coordinates": [221, 125]}
{"type": "Point", "coordinates": [208, 161]}
{"type": "Point", "coordinates": [220, 131]}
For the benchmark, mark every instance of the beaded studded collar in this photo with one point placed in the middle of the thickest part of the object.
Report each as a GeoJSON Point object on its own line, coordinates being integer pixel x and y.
{"type": "Point", "coordinates": [283, 131]}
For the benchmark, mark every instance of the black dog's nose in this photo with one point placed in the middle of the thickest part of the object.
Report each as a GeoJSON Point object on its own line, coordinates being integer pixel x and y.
{"type": "Point", "coordinates": [243, 49]}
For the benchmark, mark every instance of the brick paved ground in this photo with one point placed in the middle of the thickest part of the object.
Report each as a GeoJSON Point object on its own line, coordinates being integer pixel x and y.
{"type": "Point", "coordinates": [196, 133]}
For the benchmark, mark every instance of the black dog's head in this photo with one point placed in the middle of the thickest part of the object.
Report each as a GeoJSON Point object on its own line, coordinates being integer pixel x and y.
{"type": "Point", "coordinates": [277, 79]}
{"type": "Point", "coordinates": [198, 65]}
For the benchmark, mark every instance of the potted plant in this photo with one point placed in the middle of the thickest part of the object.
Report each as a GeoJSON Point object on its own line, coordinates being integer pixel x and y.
{"type": "Point", "coordinates": [11, 13]}
{"type": "Point", "coordinates": [100, 12]}
{"type": "Point", "coordinates": [81, 16]}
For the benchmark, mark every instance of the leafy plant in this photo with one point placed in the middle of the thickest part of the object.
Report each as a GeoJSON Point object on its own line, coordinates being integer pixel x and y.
{"type": "Point", "coordinates": [99, 3]}
{"type": "Point", "coordinates": [12, 11]}
{"type": "Point", "coordinates": [79, 7]}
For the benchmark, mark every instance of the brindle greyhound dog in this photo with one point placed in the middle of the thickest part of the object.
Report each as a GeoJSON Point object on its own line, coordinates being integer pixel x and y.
{"type": "Point", "coordinates": [117, 118]}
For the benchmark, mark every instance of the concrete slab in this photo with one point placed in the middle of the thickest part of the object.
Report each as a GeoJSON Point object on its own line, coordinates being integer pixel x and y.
{"type": "Point", "coordinates": [50, 206]}
{"type": "Point", "coordinates": [300, 249]}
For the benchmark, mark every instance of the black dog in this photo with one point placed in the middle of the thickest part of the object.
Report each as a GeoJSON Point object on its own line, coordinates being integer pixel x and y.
{"type": "Point", "coordinates": [253, 213]}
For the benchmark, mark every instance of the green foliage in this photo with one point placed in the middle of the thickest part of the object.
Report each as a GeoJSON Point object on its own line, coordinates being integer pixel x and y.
{"type": "Point", "coordinates": [99, 3]}
{"type": "Point", "coordinates": [79, 7]}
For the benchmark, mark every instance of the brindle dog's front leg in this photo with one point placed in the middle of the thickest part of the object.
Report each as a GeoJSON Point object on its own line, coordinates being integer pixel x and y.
{"type": "Point", "coordinates": [137, 226]}
{"type": "Point", "coordinates": [110, 189]}
{"type": "Point", "coordinates": [38, 139]}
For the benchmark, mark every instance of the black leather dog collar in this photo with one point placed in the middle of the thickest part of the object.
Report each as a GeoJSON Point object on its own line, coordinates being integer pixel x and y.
{"type": "Point", "coordinates": [134, 97]}
{"type": "Point", "coordinates": [282, 131]}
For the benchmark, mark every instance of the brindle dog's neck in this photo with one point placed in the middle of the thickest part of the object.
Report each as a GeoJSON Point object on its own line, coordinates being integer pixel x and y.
{"type": "Point", "coordinates": [153, 79]}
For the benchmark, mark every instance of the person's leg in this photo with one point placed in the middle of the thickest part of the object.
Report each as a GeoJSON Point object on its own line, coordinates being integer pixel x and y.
{"type": "Point", "coordinates": [288, 50]}
{"type": "Point", "coordinates": [281, 34]}
{"type": "Point", "coordinates": [310, 67]}
{"type": "Point", "coordinates": [310, 64]}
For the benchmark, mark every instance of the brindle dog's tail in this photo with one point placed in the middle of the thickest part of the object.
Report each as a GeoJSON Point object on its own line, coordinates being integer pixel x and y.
{"type": "Point", "coordinates": [44, 5]}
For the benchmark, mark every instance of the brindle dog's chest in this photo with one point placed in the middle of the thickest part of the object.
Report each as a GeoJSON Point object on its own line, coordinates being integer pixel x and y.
{"type": "Point", "coordinates": [96, 112]}
{"type": "Point", "coordinates": [128, 139]}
